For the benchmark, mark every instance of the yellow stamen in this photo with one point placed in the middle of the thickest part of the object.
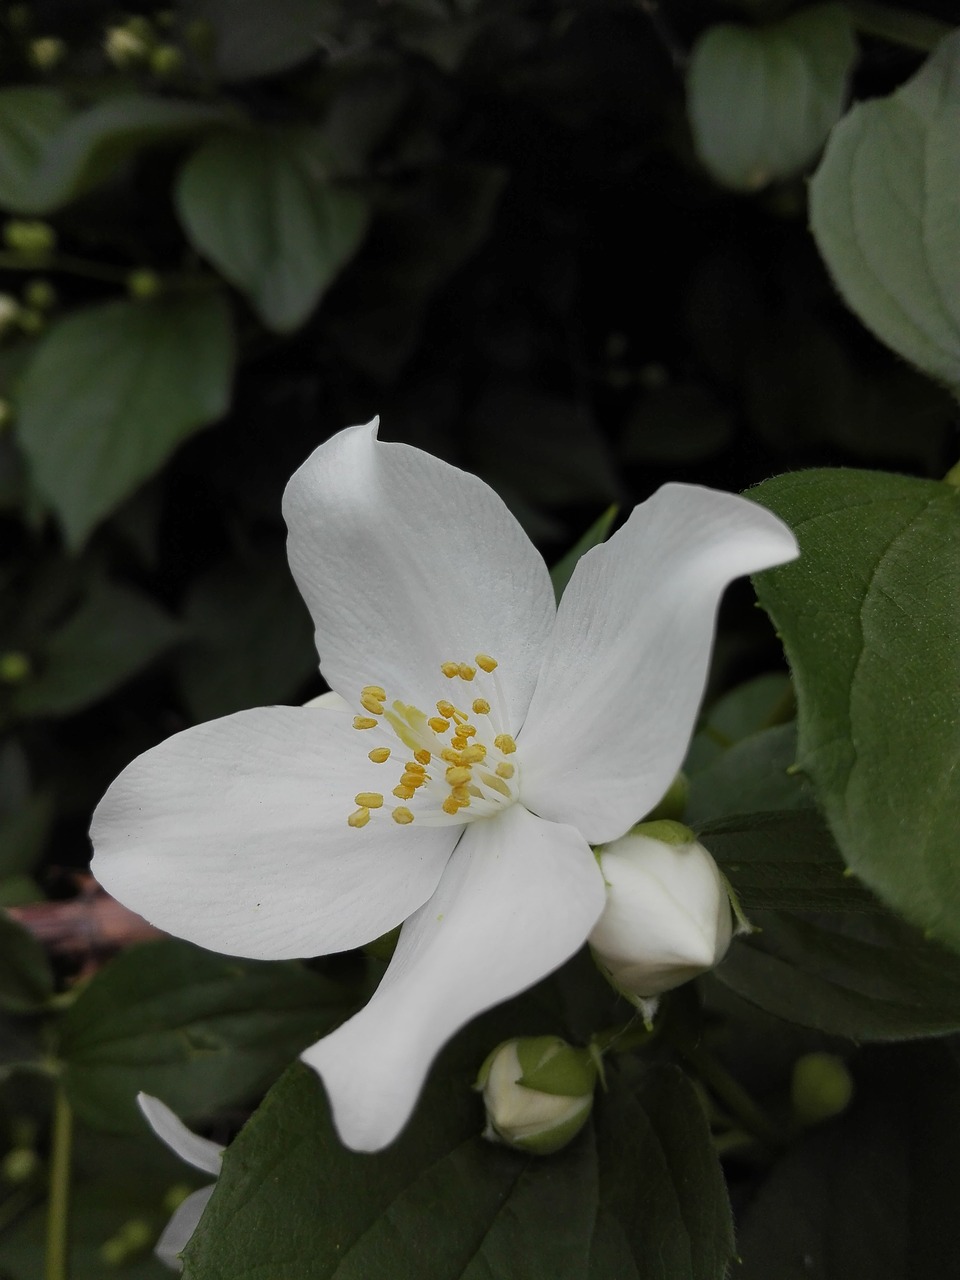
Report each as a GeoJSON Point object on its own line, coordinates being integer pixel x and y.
{"type": "Point", "coordinates": [402, 815]}
{"type": "Point", "coordinates": [359, 819]}
{"type": "Point", "coordinates": [503, 742]}
{"type": "Point", "coordinates": [450, 805]}
{"type": "Point", "coordinates": [446, 708]}
{"type": "Point", "coordinates": [462, 795]}
{"type": "Point", "coordinates": [412, 780]}
{"type": "Point", "coordinates": [403, 793]}
{"type": "Point", "coordinates": [451, 756]}
{"type": "Point", "coordinates": [467, 731]}
{"type": "Point", "coordinates": [450, 669]}
{"type": "Point", "coordinates": [373, 691]}
{"type": "Point", "coordinates": [371, 704]}
{"type": "Point", "coordinates": [413, 767]}
{"type": "Point", "coordinates": [457, 774]}
{"type": "Point", "coordinates": [486, 663]}
{"type": "Point", "coordinates": [505, 770]}
{"type": "Point", "coordinates": [474, 754]}
{"type": "Point", "coordinates": [364, 722]}
{"type": "Point", "coordinates": [368, 799]}
{"type": "Point", "coordinates": [497, 784]}
{"type": "Point", "coordinates": [465, 672]}
{"type": "Point", "coordinates": [438, 725]}
{"type": "Point", "coordinates": [423, 756]}
{"type": "Point", "coordinates": [379, 755]}
{"type": "Point", "coordinates": [481, 707]}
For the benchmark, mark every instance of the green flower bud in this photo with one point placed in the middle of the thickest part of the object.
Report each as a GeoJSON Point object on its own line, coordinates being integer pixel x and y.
{"type": "Point", "coordinates": [538, 1093]}
{"type": "Point", "coordinates": [15, 667]}
{"type": "Point", "coordinates": [174, 1196]}
{"type": "Point", "coordinates": [667, 917]}
{"type": "Point", "coordinates": [19, 1166]}
{"type": "Point", "coordinates": [40, 294]}
{"type": "Point", "coordinates": [46, 52]}
{"type": "Point", "coordinates": [144, 284]}
{"type": "Point", "coordinates": [166, 60]}
{"type": "Point", "coordinates": [27, 236]}
{"type": "Point", "coordinates": [821, 1088]}
{"type": "Point", "coordinates": [126, 46]}
{"type": "Point", "coordinates": [133, 1239]}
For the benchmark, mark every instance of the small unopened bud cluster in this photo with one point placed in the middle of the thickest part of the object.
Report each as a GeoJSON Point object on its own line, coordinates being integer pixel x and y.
{"type": "Point", "coordinates": [538, 1092]}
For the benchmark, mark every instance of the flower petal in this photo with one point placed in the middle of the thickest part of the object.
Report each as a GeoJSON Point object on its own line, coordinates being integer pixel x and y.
{"type": "Point", "coordinates": [621, 683]}
{"type": "Point", "coordinates": [406, 562]}
{"type": "Point", "coordinates": [176, 1234]}
{"type": "Point", "coordinates": [173, 1133]}
{"type": "Point", "coordinates": [234, 835]}
{"type": "Point", "coordinates": [518, 897]}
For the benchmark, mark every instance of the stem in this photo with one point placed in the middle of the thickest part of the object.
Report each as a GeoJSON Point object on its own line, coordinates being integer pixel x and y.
{"type": "Point", "coordinates": [732, 1094]}
{"type": "Point", "coordinates": [59, 1202]}
{"type": "Point", "coordinates": [65, 263]}
{"type": "Point", "coordinates": [897, 26]}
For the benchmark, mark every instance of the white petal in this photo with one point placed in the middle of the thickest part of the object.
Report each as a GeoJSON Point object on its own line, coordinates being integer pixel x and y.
{"type": "Point", "coordinates": [330, 701]}
{"type": "Point", "coordinates": [176, 1234]}
{"type": "Point", "coordinates": [518, 897]}
{"type": "Point", "coordinates": [234, 835]}
{"type": "Point", "coordinates": [406, 562]}
{"type": "Point", "coordinates": [183, 1142]}
{"type": "Point", "coordinates": [622, 680]}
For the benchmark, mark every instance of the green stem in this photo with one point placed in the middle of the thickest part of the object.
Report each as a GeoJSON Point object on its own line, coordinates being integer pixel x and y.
{"type": "Point", "coordinates": [59, 1202]}
{"type": "Point", "coordinates": [897, 26]}
{"type": "Point", "coordinates": [732, 1094]}
{"type": "Point", "coordinates": [65, 263]}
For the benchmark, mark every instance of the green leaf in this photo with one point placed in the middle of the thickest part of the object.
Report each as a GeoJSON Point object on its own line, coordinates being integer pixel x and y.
{"type": "Point", "coordinates": [29, 118]}
{"type": "Point", "coordinates": [26, 979]}
{"type": "Point", "coordinates": [62, 163]}
{"type": "Point", "coordinates": [110, 393]}
{"type": "Point", "coordinates": [260, 206]}
{"type": "Point", "coordinates": [252, 639]}
{"type": "Point", "coordinates": [23, 834]}
{"type": "Point", "coordinates": [761, 703]}
{"type": "Point", "coordinates": [755, 774]}
{"type": "Point", "coordinates": [868, 977]}
{"type": "Point", "coordinates": [784, 861]}
{"type": "Point", "coordinates": [883, 213]}
{"type": "Point", "coordinates": [562, 571]}
{"type": "Point", "coordinates": [250, 39]}
{"type": "Point", "coordinates": [868, 617]}
{"type": "Point", "coordinates": [762, 100]}
{"type": "Point", "coordinates": [114, 634]}
{"type": "Point", "coordinates": [201, 1031]}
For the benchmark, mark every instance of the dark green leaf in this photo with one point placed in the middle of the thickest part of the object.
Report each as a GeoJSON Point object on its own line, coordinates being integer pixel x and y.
{"type": "Point", "coordinates": [112, 391]}
{"type": "Point", "coordinates": [764, 702]}
{"type": "Point", "coordinates": [868, 617]}
{"type": "Point", "coordinates": [562, 571]}
{"type": "Point", "coordinates": [756, 773]}
{"type": "Point", "coordinates": [26, 980]}
{"type": "Point", "coordinates": [29, 118]}
{"type": "Point", "coordinates": [201, 1031]}
{"type": "Point", "coordinates": [762, 100]}
{"type": "Point", "coordinates": [882, 210]}
{"type": "Point", "coordinates": [869, 977]}
{"type": "Point", "coordinates": [114, 633]}
{"type": "Point", "coordinates": [784, 861]}
{"type": "Point", "coordinates": [260, 206]}
{"type": "Point", "coordinates": [23, 834]}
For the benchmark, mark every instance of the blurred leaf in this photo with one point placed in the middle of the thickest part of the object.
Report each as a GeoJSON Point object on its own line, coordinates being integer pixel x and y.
{"type": "Point", "coordinates": [26, 979]}
{"type": "Point", "coordinates": [251, 639]}
{"type": "Point", "coordinates": [89, 146]}
{"type": "Point", "coordinates": [562, 571]}
{"type": "Point", "coordinates": [882, 210]}
{"type": "Point", "coordinates": [250, 39]}
{"type": "Point", "coordinates": [260, 206]}
{"type": "Point", "coordinates": [867, 977]}
{"type": "Point", "coordinates": [23, 834]}
{"type": "Point", "coordinates": [868, 617]}
{"type": "Point", "coordinates": [755, 774]}
{"type": "Point", "coordinates": [200, 1031]}
{"type": "Point", "coordinates": [784, 861]}
{"type": "Point", "coordinates": [113, 634]}
{"type": "Point", "coordinates": [112, 391]}
{"type": "Point", "coordinates": [762, 100]}
{"type": "Point", "coordinates": [29, 118]}
{"type": "Point", "coordinates": [441, 1202]}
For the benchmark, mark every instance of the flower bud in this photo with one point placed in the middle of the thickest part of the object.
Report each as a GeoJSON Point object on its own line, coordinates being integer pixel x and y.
{"type": "Point", "coordinates": [29, 237]}
{"type": "Point", "coordinates": [20, 1165]}
{"type": "Point", "coordinates": [667, 917]}
{"type": "Point", "coordinates": [39, 294]}
{"type": "Point", "coordinates": [538, 1092]}
{"type": "Point", "coordinates": [46, 52]}
{"type": "Point", "coordinates": [15, 667]}
{"type": "Point", "coordinates": [127, 46]}
{"type": "Point", "coordinates": [144, 284]}
{"type": "Point", "coordinates": [166, 60]}
{"type": "Point", "coordinates": [821, 1087]}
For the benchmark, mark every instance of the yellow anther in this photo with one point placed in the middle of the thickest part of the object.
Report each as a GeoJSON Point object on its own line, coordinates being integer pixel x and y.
{"type": "Point", "coordinates": [379, 755]}
{"type": "Point", "coordinates": [450, 669]}
{"type": "Point", "coordinates": [373, 691]}
{"type": "Point", "coordinates": [497, 784]}
{"type": "Point", "coordinates": [503, 742]}
{"type": "Point", "coordinates": [450, 805]}
{"type": "Point", "coordinates": [403, 793]}
{"type": "Point", "coordinates": [402, 815]}
{"type": "Point", "coordinates": [457, 774]}
{"type": "Point", "coordinates": [438, 725]}
{"type": "Point", "coordinates": [465, 672]}
{"type": "Point", "coordinates": [412, 780]}
{"type": "Point", "coordinates": [460, 744]}
{"type": "Point", "coordinates": [481, 707]}
{"type": "Point", "coordinates": [368, 799]}
{"type": "Point", "coordinates": [364, 722]}
{"type": "Point", "coordinates": [486, 663]}
{"type": "Point", "coordinates": [359, 819]}
{"type": "Point", "coordinates": [451, 756]}
{"type": "Point", "coordinates": [474, 754]}
{"type": "Point", "coordinates": [371, 704]}
{"type": "Point", "coordinates": [413, 767]}
{"type": "Point", "coordinates": [466, 731]}
{"type": "Point", "coordinates": [462, 795]}
{"type": "Point", "coordinates": [423, 757]}
{"type": "Point", "coordinates": [446, 708]}
{"type": "Point", "coordinates": [505, 770]}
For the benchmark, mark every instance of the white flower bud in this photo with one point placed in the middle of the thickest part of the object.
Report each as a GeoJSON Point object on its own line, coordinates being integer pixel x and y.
{"type": "Point", "coordinates": [538, 1092]}
{"type": "Point", "coordinates": [668, 915]}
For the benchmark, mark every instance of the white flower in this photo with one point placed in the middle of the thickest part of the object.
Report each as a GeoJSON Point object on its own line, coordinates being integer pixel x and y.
{"type": "Point", "coordinates": [190, 1147]}
{"type": "Point", "coordinates": [488, 738]}
{"type": "Point", "coordinates": [667, 917]}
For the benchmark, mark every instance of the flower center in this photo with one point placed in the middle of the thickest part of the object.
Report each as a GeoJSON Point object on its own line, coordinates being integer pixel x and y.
{"type": "Point", "coordinates": [461, 764]}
